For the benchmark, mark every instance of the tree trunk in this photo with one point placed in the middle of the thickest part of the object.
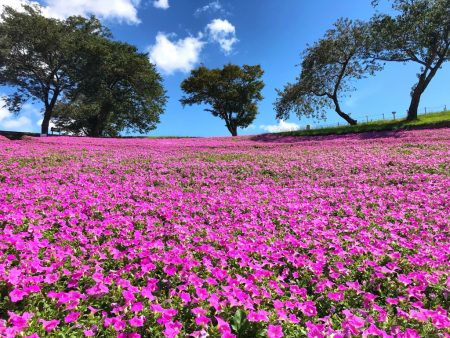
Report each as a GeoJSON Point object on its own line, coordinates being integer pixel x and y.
{"type": "Point", "coordinates": [101, 121]}
{"type": "Point", "coordinates": [419, 88]}
{"type": "Point", "coordinates": [345, 116]}
{"type": "Point", "coordinates": [414, 105]}
{"type": "Point", "coordinates": [231, 126]}
{"type": "Point", "coordinates": [46, 121]}
{"type": "Point", "coordinates": [48, 110]}
{"type": "Point", "coordinates": [233, 130]}
{"type": "Point", "coordinates": [97, 130]}
{"type": "Point", "coordinates": [417, 92]}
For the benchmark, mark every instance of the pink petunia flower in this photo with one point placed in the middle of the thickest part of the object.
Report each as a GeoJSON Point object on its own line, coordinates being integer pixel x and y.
{"type": "Point", "coordinates": [71, 317]}
{"type": "Point", "coordinates": [336, 296]}
{"type": "Point", "coordinates": [17, 295]}
{"type": "Point", "coordinates": [309, 308]}
{"type": "Point", "coordinates": [20, 321]}
{"type": "Point", "coordinates": [49, 325]}
{"type": "Point", "coordinates": [137, 307]}
{"type": "Point", "coordinates": [202, 320]}
{"type": "Point", "coordinates": [274, 331]}
{"type": "Point", "coordinates": [172, 329]}
{"type": "Point", "coordinates": [136, 321]}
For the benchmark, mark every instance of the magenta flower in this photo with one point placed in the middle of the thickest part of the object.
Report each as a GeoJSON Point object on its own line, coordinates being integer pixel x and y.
{"type": "Point", "coordinates": [353, 322]}
{"type": "Point", "coordinates": [393, 301]}
{"type": "Point", "coordinates": [89, 333]}
{"type": "Point", "coordinates": [170, 270]}
{"type": "Point", "coordinates": [309, 308]}
{"type": "Point", "coordinates": [33, 335]}
{"type": "Point", "coordinates": [202, 320]}
{"type": "Point", "coordinates": [128, 295]}
{"type": "Point", "coordinates": [202, 293]}
{"type": "Point", "coordinates": [20, 321]}
{"type": "Point", "coordinates": [185, 297]}
{"type": "Point", "coordinates": [129, 335]}
{"type": "Point", "coordinates": [172, 329]}
{"type": "Point", "coordinates": [71, 317]}
{"type": "Point", "coordinates": [49, 325]}
{"type": "Point", "coordinates": [336, 296]}
{"type": "Point", "coordinates": [136, 321]}
{"type": "Point", "coordinates": [258, 316]}
{"type": "Point", "coordinates": [17, 295]}
{"type": "Point", "coordinates": [274, 331]}
{"type": "Point", "coordinates": [137, 307]}
{"type": "Point", "coordinates": [440, 321]}
{"type": "Point", "coordinates": [223, 326]}
{"type": "Point", "coordinates": [315, 330]}
{"type": "Point", "coordinates": [409, 333]}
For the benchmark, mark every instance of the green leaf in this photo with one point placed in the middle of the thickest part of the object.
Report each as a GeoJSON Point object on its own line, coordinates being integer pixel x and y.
{"type": "Point", "coordinates": [238, 320]}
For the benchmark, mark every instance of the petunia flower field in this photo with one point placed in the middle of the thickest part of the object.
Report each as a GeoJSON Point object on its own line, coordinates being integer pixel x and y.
{"type": "Point", "coordinates": [226, 237]}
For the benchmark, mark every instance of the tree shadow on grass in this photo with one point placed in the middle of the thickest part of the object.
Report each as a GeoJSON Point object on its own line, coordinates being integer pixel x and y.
{"type": "Point", "coordinates": [368, 131]}
{"type": "Point", "coordinates": [16, 135]}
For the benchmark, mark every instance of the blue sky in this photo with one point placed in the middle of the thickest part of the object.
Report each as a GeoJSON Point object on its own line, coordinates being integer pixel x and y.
{"type": "Point", "coordinates": [182, 34]}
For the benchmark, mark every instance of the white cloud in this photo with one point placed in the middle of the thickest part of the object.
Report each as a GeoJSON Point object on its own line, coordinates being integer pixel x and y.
{"type": "Point", "coordinates": [16, 4]}
{"type": "Point", "coordinates": [171, 55]}
{"type": "Point", "coordinates": [180, 55]}
{"type": "Point", "coordinates": [280, 127]}
{"type": "Point", "coordinates": [22, 122]}
{"type": "Point", "coordinates": [121, 10]}
{"type": "Point", "coordinates": [4, 113]}
{"type": "Point", "coordinates": [11, 122]}
{"type": "Point", "coordinates": [212, 7]}
{"type": "Point", "coordinates": [222, 32]}
{"type": "Point", "coordinates": [162, 4]}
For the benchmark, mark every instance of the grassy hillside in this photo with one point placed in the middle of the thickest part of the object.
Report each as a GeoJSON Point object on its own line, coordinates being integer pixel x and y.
{"type": "Point", "coordinates": [433, 120]}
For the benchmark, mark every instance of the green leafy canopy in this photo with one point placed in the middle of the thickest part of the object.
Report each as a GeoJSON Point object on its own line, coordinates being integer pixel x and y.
{"type": "Point", "coordinates": [419, 32]}
{"type": "Point", "coordinates": [95, 85]}
{"type": "Point", "coordinates": [327, 71]}
{"type": "Point", "coordinates": [231, 93]}
{"type": "Point", "coordinates": [41, 57]}
{"type": "Point", "coordinates": [123, 92]}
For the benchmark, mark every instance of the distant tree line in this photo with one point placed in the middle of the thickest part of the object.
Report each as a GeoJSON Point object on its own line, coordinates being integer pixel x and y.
{"type": "Point", "coordinates": [90, 84]}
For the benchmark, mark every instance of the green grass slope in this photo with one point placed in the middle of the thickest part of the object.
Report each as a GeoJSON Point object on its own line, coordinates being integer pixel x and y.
{"type": "Point", "coordinates": [432, 120]}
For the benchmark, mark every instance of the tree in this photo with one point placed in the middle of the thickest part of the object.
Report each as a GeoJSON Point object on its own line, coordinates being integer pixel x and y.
{"type": "Point", "coordinates": [420, 33]}
{"type": "Point", "coordinates": [231, 92]}
{"type": "Point", "coordinates": [123, 91]}
{"type": "Point", "coordinates": [326, 71]}
{"type": "Point", "coordinates": [41, 57]}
